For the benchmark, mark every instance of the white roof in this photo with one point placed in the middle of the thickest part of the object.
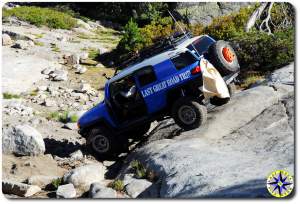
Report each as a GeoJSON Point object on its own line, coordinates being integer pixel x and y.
{"type": "Point", "coordinates": [155, 59]}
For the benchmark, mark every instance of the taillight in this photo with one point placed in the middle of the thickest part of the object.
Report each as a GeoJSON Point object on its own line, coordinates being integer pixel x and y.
{"type": "Point", "coordinates": [196, 70]}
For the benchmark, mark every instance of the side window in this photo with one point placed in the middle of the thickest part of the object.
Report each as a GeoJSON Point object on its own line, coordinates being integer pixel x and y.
{"type": "Point", "coordinates": [146, 75]}
{"type": "Point", "coordinates": [183, 59]}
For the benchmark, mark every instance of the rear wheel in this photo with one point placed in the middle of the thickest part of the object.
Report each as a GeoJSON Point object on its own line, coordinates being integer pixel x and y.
{"type": "Point", "coordinates": [188, 113]}
{"type": "Point", "coordinates": [221, 101]}
{"type": "Point", "coordinates": [223, 57]}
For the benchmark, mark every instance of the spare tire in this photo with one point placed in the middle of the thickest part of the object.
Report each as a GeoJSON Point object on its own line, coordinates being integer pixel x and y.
{"type": "Point", "coordinates": [223, 57]}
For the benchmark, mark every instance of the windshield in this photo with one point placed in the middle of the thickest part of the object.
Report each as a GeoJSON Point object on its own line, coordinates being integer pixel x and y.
{"type": "Point", "coordinates": [201, 45]}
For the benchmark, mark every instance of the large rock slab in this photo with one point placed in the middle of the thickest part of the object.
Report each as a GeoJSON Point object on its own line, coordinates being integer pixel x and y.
{"type": "Point", "coordinates": [22, 140]}
{"type": "Point", "coordinates": [19, 189]}
{"type": "Point", "coordinates": [284, 75]}
{"type": "Point", "coordinates": [232, 156]}
{"type": "Point", "coordinates": [82, 177]}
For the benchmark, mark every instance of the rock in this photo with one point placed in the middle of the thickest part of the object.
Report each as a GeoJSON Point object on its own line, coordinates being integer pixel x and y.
{"type": "Point", "coordinates": [6, 40]}
{"type": "Point", "coordinates": [102, 50]}
{"type": "Point", "coordinates": [15, 107]}
{"type": "Point", "coordinates": [20, 189]}
{"type": "Point", "coordinates": [70, 126]}
{"type": "Point", "coordinates": [82, 177]}
{"type": "Point", "coordinates": [108, 163]}
{"type": "Point", "coordinates": [100, 65]}
{"type": "Point", "coordinates": [86, 88]}
{"type": "Point", "coordinates": [49, 103]}
{"type": "Point", "coordinates": [23, 140]}
{"type": "Point", "coordinates": [136, 187]}
{"type": "Point", "coordinates": [84, 56]}
{"type": "Point", "coordinates": [98, 190]}
{"type": "Point", "coordinates": [41, 180]}
{"type": "Point", "coordinates": [66, 191]}
{"type": "Point", "coordinates": [80, 69]}
{"type": "Point", "coordinates": [77, 155]}
{"type": "Point", "coordinates": [47, 71]}
{"type": "Point", "coordinates": [59, 75]}
{"type": "Point", "coordinates": [72, 59]}
{"type": "Point", "coordinates": [284, 75]}
{"type": "Point", "coordinates": [83, 24]}
{"type": "Point", "coordinates": [42, 88]}
{"type": "Point", "coordinates": [23, 44]}
{"type": "Point", "coordinates": [242, 136]}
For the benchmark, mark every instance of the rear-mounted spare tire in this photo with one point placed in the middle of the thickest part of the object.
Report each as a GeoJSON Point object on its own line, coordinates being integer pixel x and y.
{"type": "Point", "coordinates": [223, 57]}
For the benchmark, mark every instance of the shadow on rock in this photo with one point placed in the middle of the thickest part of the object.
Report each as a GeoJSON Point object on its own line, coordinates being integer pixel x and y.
{"type": "Point", "coordinates": [61, 148]}
{"type": "Point", "coordinates": [252, 189]}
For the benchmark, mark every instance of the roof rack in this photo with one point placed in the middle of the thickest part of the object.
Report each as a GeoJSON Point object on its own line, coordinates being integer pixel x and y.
{"type": "Point", "coordinates": [158, 47]}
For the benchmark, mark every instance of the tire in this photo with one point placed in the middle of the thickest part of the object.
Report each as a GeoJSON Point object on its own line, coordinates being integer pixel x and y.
{"type": "Point", "coordinates": [224, 63]}
{"type": "Point", "coordinates": [103, 144]}
{"type": "Point", "coordinates": [188, 113]}
{"type": "Point", "coordinates": [221, 101]}
{"type": "Point", "coordinates": [138, 132]}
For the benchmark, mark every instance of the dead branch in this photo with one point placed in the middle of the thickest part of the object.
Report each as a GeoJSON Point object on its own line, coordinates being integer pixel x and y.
{"type": "Point", "coordinates": [255, 16]}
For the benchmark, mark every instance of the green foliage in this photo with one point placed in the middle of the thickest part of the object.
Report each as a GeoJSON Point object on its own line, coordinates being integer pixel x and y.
{"type": "Point", "coordinates": [39, 43]}
{"type": "Point", "coordinates": [141, 172]}
{"type": "Point", "coordinates": [117, 185]}
{"type": "Point", "coordinates": [10, 96]}
{"type": "Point", "coordinates": [132, 39]}
{"type": "Point", "coordinates": [94, 53]}
{"type": "Point", "coordinates": [139, 169]}
{"type": "Point", "coordinates": [229, 26]}
{"type": "Point", "coordinates": [56, 182]}
{"type": "Point", "coordinates": [259, 51]}
{"type": "Point", "coordinates": [42, 16]}
{"type": "Point", "coordinates": [62, 117]}
{"type": "Point", "coordinates": [73, 118]}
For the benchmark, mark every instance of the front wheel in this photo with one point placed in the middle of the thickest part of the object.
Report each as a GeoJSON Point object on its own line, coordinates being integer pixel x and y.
{"type": "Point", "coordinates": [188, 113]}
{"type": "Point", "coordinates": [102, 143]}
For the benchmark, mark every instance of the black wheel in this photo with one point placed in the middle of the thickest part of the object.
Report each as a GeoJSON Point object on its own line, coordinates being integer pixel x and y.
{"type": "Point", "coordinates": [103, 143]}
{"type": "Point", "coordinates": [221, 101]}
{"type": "Point", "coordinates": [223, 57]}
{"type": "Point", "coordinates": [137, 133]}
{"type": "Point", "coordinates": [188, 113]}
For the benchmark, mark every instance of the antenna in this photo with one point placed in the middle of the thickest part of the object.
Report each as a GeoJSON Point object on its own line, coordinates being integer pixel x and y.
{"type": "Point", "coordinates": [183, 31]}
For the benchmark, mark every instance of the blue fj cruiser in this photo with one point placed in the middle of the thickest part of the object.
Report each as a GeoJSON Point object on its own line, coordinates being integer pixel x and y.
{"type": "Point", "coordinates": [167, 84]}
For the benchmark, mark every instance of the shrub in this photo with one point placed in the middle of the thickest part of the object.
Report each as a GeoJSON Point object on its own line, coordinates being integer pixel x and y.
{"type": "Point", "coordinates": [73, 118]}
{"type": "Point", "coordinates": [117, 185]}
{"type": "Point", "coordinates": [139, 170]}
{"type": "Point", "coordinates": [42, 16]}
{"type": "Point", "coordinates": [56, 182]}
{"type": "Point", "coordinates": [259, 51]}
{"type": "Point", "coordinates": [10, 96]}
{"type": "Point", "coordinates": [132, 38]}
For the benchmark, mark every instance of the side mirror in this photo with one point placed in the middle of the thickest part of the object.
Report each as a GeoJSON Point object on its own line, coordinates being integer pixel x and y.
{"type": "Point", "coordinates": [104, 74]}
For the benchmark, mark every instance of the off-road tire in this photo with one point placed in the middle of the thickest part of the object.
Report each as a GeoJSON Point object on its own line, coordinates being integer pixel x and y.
{"type": "Point", "coordinates": [221, 101]}
{"type": "Point", "coordinates": [216, 57]}
{"type": "Point", "coordinates": [104, 136]}
{"type": "Point", "coordinates": [198, 112]}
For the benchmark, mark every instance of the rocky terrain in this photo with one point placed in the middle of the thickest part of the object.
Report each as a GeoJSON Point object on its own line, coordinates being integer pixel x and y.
{"type": "Point", "coordinates": [50, 78]}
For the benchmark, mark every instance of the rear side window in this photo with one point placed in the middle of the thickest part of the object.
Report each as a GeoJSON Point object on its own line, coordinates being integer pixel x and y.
{"type": "Point", "coordinates": [183, 59]}
{"type": "Point", "coordinates": [146, 75]}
